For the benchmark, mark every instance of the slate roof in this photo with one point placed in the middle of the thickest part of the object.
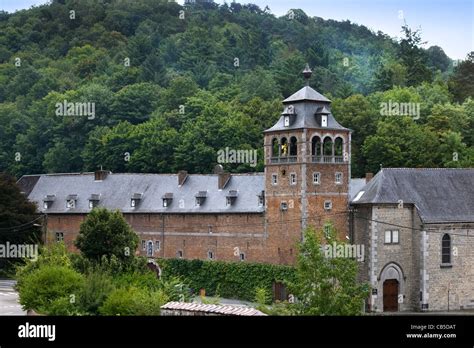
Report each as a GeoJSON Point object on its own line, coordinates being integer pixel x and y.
{"type": "Point", "coordinates": [117, 190]}
{"type": "Point", "coordinates": [439, 194]}
{"type": "Point", "coordinates": [306, 104]}
{"type": "Point", "coordinates": [306, 93]}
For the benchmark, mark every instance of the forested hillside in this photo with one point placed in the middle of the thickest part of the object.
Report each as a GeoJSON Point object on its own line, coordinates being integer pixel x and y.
{"type": "Point", "coordinates": [172, 85]}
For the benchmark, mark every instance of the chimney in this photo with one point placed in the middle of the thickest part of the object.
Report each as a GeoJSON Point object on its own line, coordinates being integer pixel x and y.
{"type": "Point", "coordinates": [368, 177]}
{"type": "Point", "coordinates": [182, 176]}
{"type": "Point", "coordinates": [223, 179]}
{"type": "Point", "coordinates": [100, 175]}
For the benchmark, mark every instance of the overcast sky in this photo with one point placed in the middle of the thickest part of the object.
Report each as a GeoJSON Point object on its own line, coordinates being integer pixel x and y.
{"type": "Point", "coordinates": [446, 23]}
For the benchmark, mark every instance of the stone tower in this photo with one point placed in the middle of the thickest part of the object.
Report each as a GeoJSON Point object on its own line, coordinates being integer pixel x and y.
{"type": "Point", "coordinates": [307, 171]}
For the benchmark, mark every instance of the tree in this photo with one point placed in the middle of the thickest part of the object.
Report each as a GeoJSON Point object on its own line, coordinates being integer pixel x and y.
{"type": "Point", "coordinates": [326, 285]}
{"type": "Point", "coordinates": [461, 83]}
{"type": "Point", "coordinates": [106, 233]}
{"type": "Point", "coordinates": [17, 219]}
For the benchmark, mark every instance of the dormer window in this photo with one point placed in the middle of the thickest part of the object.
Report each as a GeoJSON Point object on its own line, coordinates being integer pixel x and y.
{"type": "Point", "coordinates": [48, 201]}
{"type": "Point", "coordinates": [286, 120]}
{"type": "Point", "coordinates": [94, 200]}
{"type": "Point", "coordinates": [231, 197]}
{"type": "Point", "coordinates": [200, 198]}
{"type": "Point", "coordinates": [261, 199]}
{"type": "Point", "coordinates": [71, 201]}
{"type": "Point", "coordinates": [135, 200]}
{"type": "Point", "coordinates": [324, 121]}
{"type": "Point", "coordinates": [167, 199]}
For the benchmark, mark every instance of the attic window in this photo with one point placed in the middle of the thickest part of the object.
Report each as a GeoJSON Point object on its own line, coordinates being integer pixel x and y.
{"type": "Point", "coordinates": [167, 199]}
{"type": "Point", "coordinates": [200, 198]}
{"type": "Point", "coordinates": [48, 201]}
{"type": "Point", "coordinates": [71, 201]}
{"type": "Point", "coordinates": [135, 199]}
{"type": "Point", "coordinates": [261, 199]}
{"type": "Point", "coordinates": [324, 121]}
{"type": "Point", "coordinates": [231, 197]}
{"type": "Point", "coordinates": [286, 121]}
{"type": "Point", "coordinates": [94, 200]}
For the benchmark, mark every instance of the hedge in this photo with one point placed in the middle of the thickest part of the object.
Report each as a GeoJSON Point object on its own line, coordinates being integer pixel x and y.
{"type": "Point", "coordinates": [237, 280]}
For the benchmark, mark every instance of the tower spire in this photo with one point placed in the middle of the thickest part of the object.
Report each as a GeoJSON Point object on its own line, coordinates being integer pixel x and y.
{"type": "Point", "coordinates": [307, 73]}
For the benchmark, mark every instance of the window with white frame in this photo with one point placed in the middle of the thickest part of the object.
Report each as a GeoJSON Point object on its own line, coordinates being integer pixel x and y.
{"type": "Point", "coordinates": [316, 178]}
{"type": "Point", "coordinates": [179, 254]}
{"type": "Point", "coordinates": [391, 237]}
{"type": "Point", "coordinates": [274, 179]}
{"type": "Point", "coordinates": [157, 245]}
{"type": "Point", "coordinates": [327, 205]}
{"type": "Point", "coordinates": [293, 179]}
{"type": "Point", "coordinates": [149, 248]}
{"type": "Point", "coordinates": [338, 177]}
{"type": "Point", "coordinates": [210, 255]}
{"type": "Point", "coordinates": [71, 203]}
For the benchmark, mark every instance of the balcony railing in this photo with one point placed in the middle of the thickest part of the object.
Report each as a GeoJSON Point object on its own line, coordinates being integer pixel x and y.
{"type": "Point", "coordinates": [284, 159]}
{"type": "Point", "coordinates": [327, 159]}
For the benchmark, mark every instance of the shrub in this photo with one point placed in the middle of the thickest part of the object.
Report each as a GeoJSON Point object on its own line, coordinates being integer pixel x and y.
{"type": "Point", "coordinates": [62, 306]}
{"type": "Point", "coordinates": [42, 286]}
{"type": "Point", "coordinates": [133, 301]}
{"type": "Point", "coordinates": [97, 288]}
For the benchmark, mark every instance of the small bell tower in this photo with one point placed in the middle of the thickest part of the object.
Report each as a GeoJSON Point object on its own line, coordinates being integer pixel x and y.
{"type": "Point", "coordinates": [307, 171]}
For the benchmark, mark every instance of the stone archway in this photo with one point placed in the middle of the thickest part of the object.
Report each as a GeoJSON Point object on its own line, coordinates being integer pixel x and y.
{"type": "Point", "coordinates": [393, 285]}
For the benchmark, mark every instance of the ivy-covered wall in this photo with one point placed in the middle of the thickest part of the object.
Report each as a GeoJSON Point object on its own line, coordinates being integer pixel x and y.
{"type": "Point", "coordinates": [236, 280]}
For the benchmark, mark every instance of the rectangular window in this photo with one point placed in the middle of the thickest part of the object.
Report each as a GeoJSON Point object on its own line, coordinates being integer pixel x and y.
{"type": "Point", "coordinates": [242, 257]}
{"type": "Point", "coordinates": [143, 245]}
{"type": "Point", "coordinates": [157, 245]}
{"type": "Point", "coordinates": [179, 254]}
{"type": "Point", "coordinates": [316, 178]}
{"type": "Point", "coordinates": [324, 121]}
{"type": "Point", "coordinates": [59, 236]}
{"type": "Point", "coordinates": [165, 203]}
{"type": "Point", "coordinates": [45, 205]}
{"type": "Point", "coordinates": [132, 203]}
{"type": "Point", "coordinates": [284, 206]}
{"type": "Point", "coordinates": [274, 179]}
{"type": "Point", "coordinates": [228, 201]}
{"type": "Point", "coordinates": [338, 178]}
{"type": "Point", "coordinates": [210, 255]}
{"type": "Point", "coordinates": [391, 237]}
{"type": "Point", "coordinates": [327, 205]}
{"type": "Point", "coordinates": [293, 179]}
{"type": "Point", "coordinates": [287, 121]}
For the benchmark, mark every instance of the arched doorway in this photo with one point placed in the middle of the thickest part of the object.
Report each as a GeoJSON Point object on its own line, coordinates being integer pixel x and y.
{"type": "Point", "coordinates": [390, 295]}
{"type": "Point", "coordinates": [393, 287]}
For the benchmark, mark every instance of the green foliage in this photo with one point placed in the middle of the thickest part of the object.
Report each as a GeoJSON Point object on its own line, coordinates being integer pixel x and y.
{"type": "Point", "coordinates": [106, 233]}
{"type": "Point", "coordinates": [17, 218]}
{"type": "Point", "coordinates": [325, 285]}
{"type": "Point", "coordinates": [97, 288]}
{"type": "Point", "coordinates": [233, 279]}
{"type": "Point", "coordinates": [133, 301]}
{"type": "Point", "coordinates": [40, 288]}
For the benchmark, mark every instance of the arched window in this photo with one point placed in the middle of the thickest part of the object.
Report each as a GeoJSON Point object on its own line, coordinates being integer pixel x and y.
{"type": "Point", "coordinates": [338, 147]}
{"type": "Point", "coordinates": [284, 147]}
{"type": "Point", "coordinates": [446, 249]}
{"type": "Point", "coordinates": [293, 147]}
{"type": "Point", "coordinates": [275, 147]}
{"type": "Point", "coordinates": [328, 149]}
{"type": "Point", "coordinates": [316, 146]}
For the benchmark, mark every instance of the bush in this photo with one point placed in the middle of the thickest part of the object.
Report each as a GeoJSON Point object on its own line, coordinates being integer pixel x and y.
{"type": "Point", "coordinates": [97, 288]}
{"type": "Point", "coordinates": [234, 279]}
{"type": "Point", "coordinates": [42, 286]}
{"type": "Point", "coordinates": [133, 301]}
{"type": "Point", "coordinates": [62, 306]}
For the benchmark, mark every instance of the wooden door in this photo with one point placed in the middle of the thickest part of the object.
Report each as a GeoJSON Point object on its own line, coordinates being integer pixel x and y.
{"type": "Point", "coordinates": [390, 295]}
